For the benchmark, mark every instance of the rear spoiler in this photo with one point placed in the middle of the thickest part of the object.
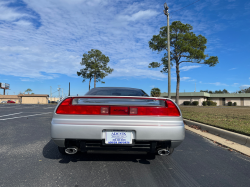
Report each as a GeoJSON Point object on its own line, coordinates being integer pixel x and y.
{"type": "Point", "coordinates": [118, 105]}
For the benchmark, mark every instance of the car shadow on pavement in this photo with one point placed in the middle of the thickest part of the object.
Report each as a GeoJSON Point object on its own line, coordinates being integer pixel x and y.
{"type": "Point", "coordinates": [50, 151]}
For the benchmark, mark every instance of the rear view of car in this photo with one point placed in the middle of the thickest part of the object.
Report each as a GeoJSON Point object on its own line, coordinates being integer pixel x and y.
{"type": "Point", "coordinates": [117, 119]}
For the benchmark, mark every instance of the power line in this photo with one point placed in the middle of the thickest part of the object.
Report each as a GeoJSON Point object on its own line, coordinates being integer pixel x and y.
{"type": "Point", "coordinates": [185, 6]}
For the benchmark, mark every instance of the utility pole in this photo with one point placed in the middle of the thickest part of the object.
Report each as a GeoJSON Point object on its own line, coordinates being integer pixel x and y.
{"type": "Point", "coordinates": [69, 88]}
{"type": "Point", "coordinates": [50, 91]}
{"type": "Point", "coordinates": [169, 68]}
{"type": "Point", "coordinates": [59, 91]}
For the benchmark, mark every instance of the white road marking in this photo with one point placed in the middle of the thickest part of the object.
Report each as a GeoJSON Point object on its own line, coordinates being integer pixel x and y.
{"type": "Point", "coordinates": [25, 107]}
{"type": "Point", "coordinates": [26, 116]}
{"type": "Point", "coordinates": [48, 107]}
{"type": "Point", "coordinates": [11, 114]}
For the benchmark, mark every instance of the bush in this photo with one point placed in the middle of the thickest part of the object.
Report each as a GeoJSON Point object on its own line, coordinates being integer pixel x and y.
{"type": "Point", "coordinates": [211, 103]}
{"type": "Point", "coordinates": [235, 104]}
{"type": "Point", "coordinates": [229, 103]}
{"type": "Point", "coordinates": [204, 103]}
{"type": "Point", "coordinates": [195, 103]}
{"type": "Point", "coordinates": [186, 102]}
{"type": "Point", "coordinates": [214, 103]}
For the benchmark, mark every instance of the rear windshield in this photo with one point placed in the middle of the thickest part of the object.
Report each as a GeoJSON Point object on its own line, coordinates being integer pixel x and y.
{"type": "Point", "coordinates": [117, 92]}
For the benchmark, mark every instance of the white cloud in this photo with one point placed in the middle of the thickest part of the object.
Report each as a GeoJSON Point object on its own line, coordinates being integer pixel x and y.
{"type": "Point", "coordinates": [65, 30]}
{"type": "Point", "coordinates": [44, 39]}
{"type": "Point", "coordinates": [22, 23]}
{"type": "Point", "coordinates": [9, 14]}
{"type": "Point", "coordinates": [246, 85]}
{"type": "Point", "coordinates": [14, 48]}
{"type": "Point", "coordinates": [186, 68]}
{"type": "Point", "coordinates": [235, 84]}
{"type": "Point", "coordinates": [218, 84]}
{"type": "Point", "coordinates": [183, 79]}
{"type": "Point", "coordinates": [27, 80]}
{"type": "Point", "coordinates": [142, 14]}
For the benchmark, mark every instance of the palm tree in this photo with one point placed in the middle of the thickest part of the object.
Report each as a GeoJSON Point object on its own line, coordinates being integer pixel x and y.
{"type": "Point", "coordinates": [28, 90]}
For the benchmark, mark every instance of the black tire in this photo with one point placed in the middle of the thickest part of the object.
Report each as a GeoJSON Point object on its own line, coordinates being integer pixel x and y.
{"type": "Point", "coordinates": [62, 150]}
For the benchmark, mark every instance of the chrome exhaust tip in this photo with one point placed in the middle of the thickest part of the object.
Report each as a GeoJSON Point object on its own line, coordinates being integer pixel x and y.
{"type": "Point", "coordinates": [163, 152]}
{"type": "Point", "coordinates": [71, 150]}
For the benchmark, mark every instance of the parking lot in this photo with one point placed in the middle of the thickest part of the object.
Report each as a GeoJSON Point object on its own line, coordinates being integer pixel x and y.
{"type": "Point", "coordinates": [28, 157]}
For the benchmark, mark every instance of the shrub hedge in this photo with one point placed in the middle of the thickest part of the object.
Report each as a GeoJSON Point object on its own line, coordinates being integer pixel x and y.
{"type": "Point", "coordinates": [229, 103]}
{"type": "Point", "coordinates": [186, 102]}
{"type": "Point", "coordinates": [195, 103]}
{"type": "Point", "coordinates": [235, 104]}
{"type": "Point", "coordinates": [204, 103]}
{"type": "Point", "coordinates": [211, 103]}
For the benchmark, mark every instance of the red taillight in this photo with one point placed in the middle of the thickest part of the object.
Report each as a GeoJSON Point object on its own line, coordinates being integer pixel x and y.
{"type": "Point", "coordinates": [169, 110]}
{"type": "Point", "coordinates": [66, 107]}
{"type": "Point", "coordinates": [172, 109]}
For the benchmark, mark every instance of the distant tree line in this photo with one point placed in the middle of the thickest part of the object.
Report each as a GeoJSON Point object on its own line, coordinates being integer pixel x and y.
{"type": "Point", "coordinates": [216, 91]}
{"type": "Point", "coordinates": [244, 90]}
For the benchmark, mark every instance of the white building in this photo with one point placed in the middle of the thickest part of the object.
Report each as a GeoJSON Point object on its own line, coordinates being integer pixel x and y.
{"type": "Point", "coordinates": [242, 99]}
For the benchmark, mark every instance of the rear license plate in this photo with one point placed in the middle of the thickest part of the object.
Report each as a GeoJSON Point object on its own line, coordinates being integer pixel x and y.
{"type": "Point", "coordinates": [118, 137]}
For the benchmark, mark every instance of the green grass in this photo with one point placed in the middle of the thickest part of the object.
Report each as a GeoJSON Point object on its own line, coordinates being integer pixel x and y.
{"type": "Point", "coordinates": [236, 119]}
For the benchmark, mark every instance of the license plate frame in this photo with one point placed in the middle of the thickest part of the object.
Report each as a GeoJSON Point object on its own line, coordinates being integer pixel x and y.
{"type": "Point", "coordinates": [128, 133]}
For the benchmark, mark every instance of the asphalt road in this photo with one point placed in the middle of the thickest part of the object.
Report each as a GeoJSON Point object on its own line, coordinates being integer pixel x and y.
{"type": "Point", "coordinates": [28, 157]}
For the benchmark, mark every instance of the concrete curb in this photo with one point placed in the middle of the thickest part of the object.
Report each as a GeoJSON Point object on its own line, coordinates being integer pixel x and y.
{"type": "Point", "coordinates": [232, 136]}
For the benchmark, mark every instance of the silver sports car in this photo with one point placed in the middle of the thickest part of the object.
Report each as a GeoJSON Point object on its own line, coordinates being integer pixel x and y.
{"type": "Point", "coordinates": [112, 118]}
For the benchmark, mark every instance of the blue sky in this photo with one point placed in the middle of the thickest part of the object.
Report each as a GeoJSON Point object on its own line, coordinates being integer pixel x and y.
{"type": "Point", "coordinates": [42, 43]}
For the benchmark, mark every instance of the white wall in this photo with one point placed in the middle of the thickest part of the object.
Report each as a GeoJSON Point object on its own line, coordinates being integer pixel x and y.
{"type": "Point", "coordinates": [54, 98]}
{"type": "Point", "coordinates": [217, 100]}
{"type": "Point", "coordinates": [246, 101]}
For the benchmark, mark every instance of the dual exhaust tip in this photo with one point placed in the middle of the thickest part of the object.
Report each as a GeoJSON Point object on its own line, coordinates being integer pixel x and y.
{"type": "Point", "coordinates": [163, 152]}
{"type": "Point", "coordinates": [71, 150]}
{"type": "Point", "coordinates": [74, 150]}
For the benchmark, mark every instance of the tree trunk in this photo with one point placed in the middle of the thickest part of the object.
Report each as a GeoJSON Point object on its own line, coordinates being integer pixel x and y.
{"type": "Point", "coordinates": [89, 83]}
{"type": "Point", "coordinates": [178, 84]}
{"type": "Point", "coordinates": [95, 81]}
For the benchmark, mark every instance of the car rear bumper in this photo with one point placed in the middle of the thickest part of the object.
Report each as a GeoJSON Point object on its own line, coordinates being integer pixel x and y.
{"type": "Point", "coordinates": [85, 130]}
